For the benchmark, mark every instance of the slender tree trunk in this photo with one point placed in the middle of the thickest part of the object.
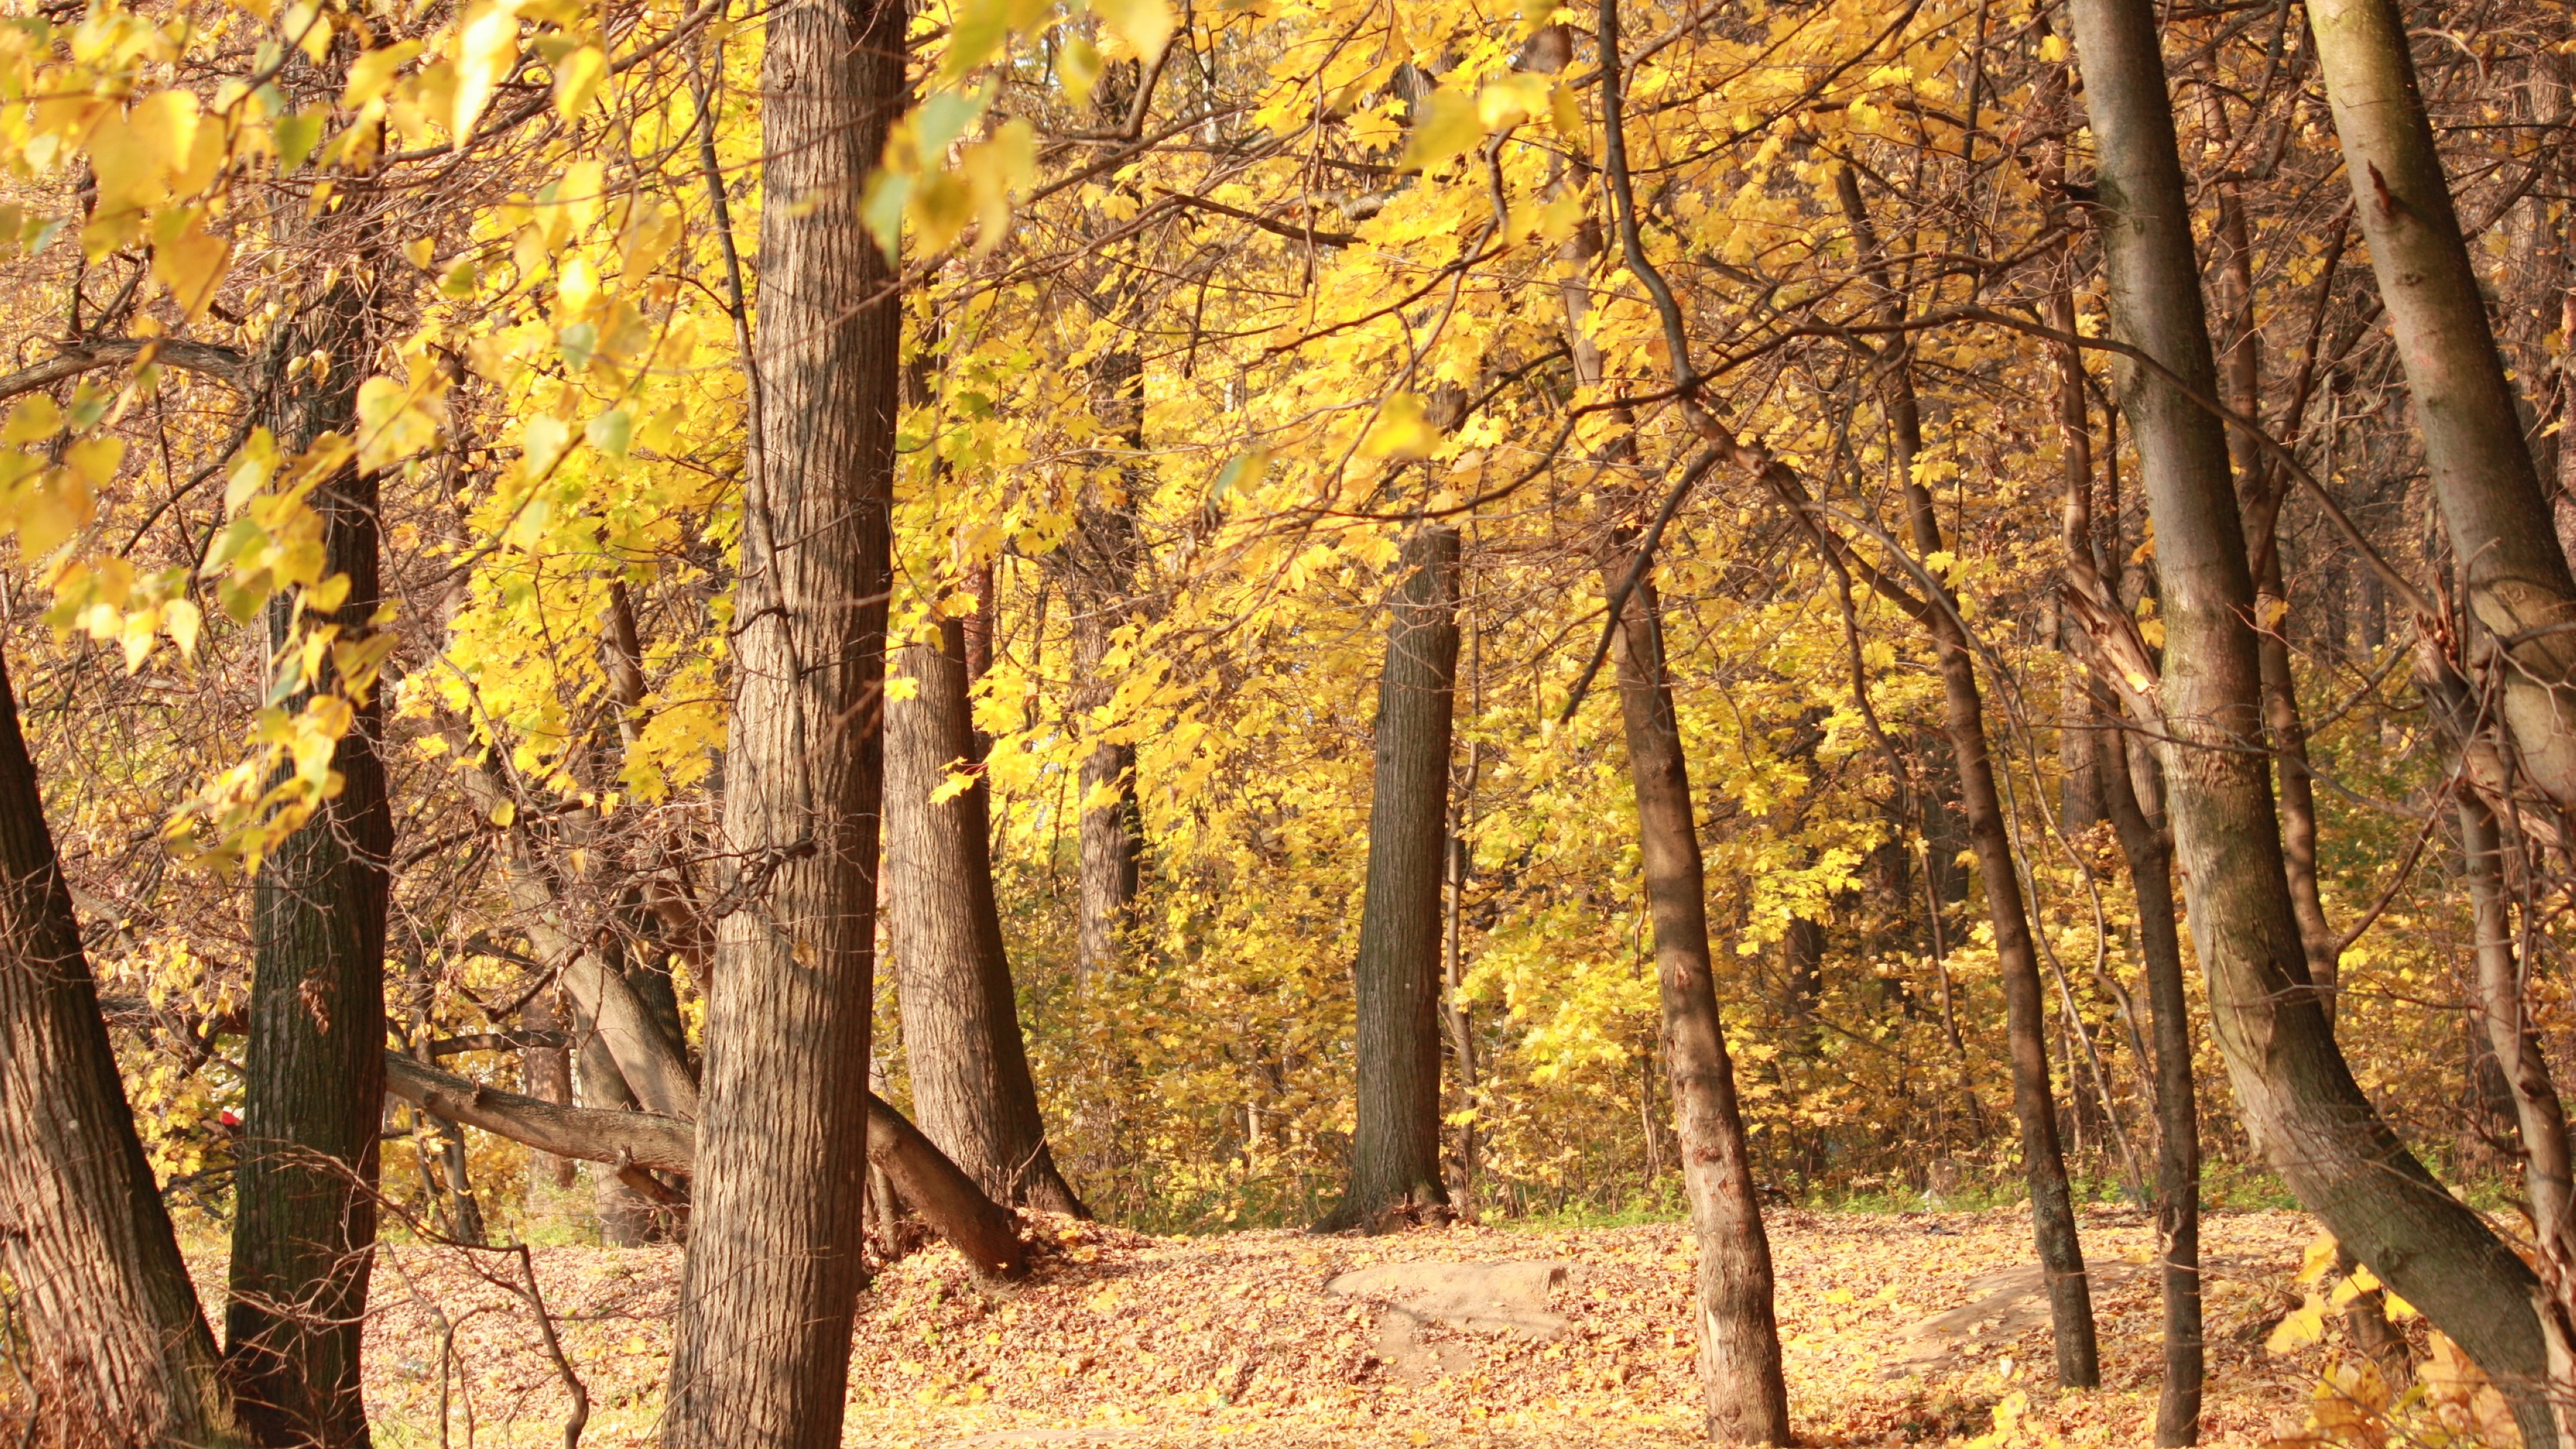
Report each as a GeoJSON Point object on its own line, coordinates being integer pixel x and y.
{"type": "Point", "coordinates": [117, 1348]}
{"type": "Point", "coordinates": [2513, 573]}
{"type": "Point", "coordinates": [971, 1086]}
{"type": "Point", "coordinates": [1395, 1156]}
{"type": "Point", "coordinates": [774, 1266]}
{"type": "Point", "coordinates": [2132, 802]}
{"type": "Point", "coordinates": [625, 1215]}
{"type": "Point", "coordinates": [1739, 1342]}
{"type": "Point", "coordinates": [2052, 1199]}
{"type": "Point", "coordinates": [2296, 1094]}
{"type": "Point", "coordinates": [547, 1070]}
{"type": "Point", "coordinates": [304, 1228]}
{"type": "Point", "coordinates": [2516, 1043]}
{"type": "Point", "coordinates": [1104, 553]}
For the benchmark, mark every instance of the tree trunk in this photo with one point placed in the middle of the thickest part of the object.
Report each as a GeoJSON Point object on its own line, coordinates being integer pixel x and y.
{"type": "Point", "coordinates": [774, 1266]}
{"type": "Point", "coordinates": [961, 1021]}
{"type": "Point", "coordinates": [2296, 1094]}
{"type": "Point", "coordinates": [1395, 1156]}
{"type": "Point", "coordinates": [2148, 852]}
{"type": "Point", "coordinates": [117, 1348]}
{"type": "Point", "coordinates": [2513, 573]}
{"type": "Point", "coordinates": [2052, 1199]}
{"type": "Point", "coordinates": [1102, 557]}
{"type": "Point", "coordinates": [548, 1072]}
{"type": "Point", "coordinates": [1739, 1342]}
{"type": "Point", "coordinates": [625, 1215]}
{"type": "Point", "coordinates": [304, 1228]}
{"type": "Point", "coordinates": [2516, 1042]}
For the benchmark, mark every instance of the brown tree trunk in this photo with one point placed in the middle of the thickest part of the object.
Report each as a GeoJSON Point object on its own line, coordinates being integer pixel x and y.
{"type": "Point", "coordinates": [961, 1022]}
{"type": "Point", "coordinates": [2052, 1200]}
{"type": "Point", "coordinates": [116, 1346]}
{"type": "Point", "coordinates": [547, 1070]}
{"type": "Point", "coordinates": [1395, 1155]}
{"type": "Point", "coordinates": [625, 1215]}
{"type": "Point", "coordinates": [761, 1359]}
{"type": "Point", "coordinates": [2514, 575]}
{"type": "Point", "coordinates": [304, 1228]}
{"type": "Point", "coordinates": [1739, 1341]}
{"type": "Point", "coordinates": [2296, 1094]}
{"type": "Point", "coordinates": [1102, 558]}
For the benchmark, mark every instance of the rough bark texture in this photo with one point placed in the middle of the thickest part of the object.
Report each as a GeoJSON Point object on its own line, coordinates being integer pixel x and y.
{"type": "Point", "coordinates": [304, 1228]}
{"type": "Point", "coordinates": [548, 1070]}
{"type": "Point", "coordinates": [1395, 1155]}
{"type": "Point", "coordinates": [1739, 1341]}
{"type": "Point", "coordinates": [2512, 571]}
{"type": "Point", "coordinates": [1100, 578]}
{"type": "Point", "coordinates": [971, 1086]}
{"type": "Point", "coordinates": [2052, 1200]}
{"type": "Point", "coordinates": [117, 1348]}
{"type": "Point", "coordinates": [774, 1266]}
{"type": "Point", "coordinates": [2294, 1091]}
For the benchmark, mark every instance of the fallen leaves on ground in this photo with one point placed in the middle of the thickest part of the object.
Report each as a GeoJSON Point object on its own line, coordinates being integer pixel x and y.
{"type": "Point", "coordinates": [1139, 1341]}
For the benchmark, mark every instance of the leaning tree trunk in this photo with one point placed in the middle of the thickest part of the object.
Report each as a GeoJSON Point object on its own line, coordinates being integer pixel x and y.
{"type": "Point", "coordinates": [971, 1086]}
{"type": "Point", "coordinates": [1395, 1155]}
{"type": "Point", "coordinates": [2052, 1198]}
{"type": "Point", "coordinates": [116, 1346]}
{"type": "Point", "coordinates": [1739, 1341]}
{"type": "Point", "coordinates": [2297, 1095]}
{"type": "Point", "coordinates": [313, 1084]}
{"type": "Point", "coordinates": [778, 1222]}
{"type": "Point", "coordinates": [2511, 567]}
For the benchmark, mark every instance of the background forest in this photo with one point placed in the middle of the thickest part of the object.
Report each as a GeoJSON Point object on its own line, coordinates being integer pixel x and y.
{"type": "Point", "coordinates": [510, 500]}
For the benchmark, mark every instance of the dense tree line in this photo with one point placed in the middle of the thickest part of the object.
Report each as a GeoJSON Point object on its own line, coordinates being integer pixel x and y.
{"type": "Point", "coordinates": [842, 619]}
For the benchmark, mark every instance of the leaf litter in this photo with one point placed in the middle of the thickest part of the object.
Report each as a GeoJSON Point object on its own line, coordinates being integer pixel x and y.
{"type": "Point", "coordinates": [1895, 1328]}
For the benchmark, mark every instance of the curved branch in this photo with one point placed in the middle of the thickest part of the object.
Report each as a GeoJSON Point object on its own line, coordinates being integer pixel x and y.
{"type": "Point", "coordinates": [224, 364]}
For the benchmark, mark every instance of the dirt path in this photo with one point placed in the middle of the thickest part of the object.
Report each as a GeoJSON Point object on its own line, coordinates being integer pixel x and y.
{"type": "Point", "coordinates": [1897, 1329]}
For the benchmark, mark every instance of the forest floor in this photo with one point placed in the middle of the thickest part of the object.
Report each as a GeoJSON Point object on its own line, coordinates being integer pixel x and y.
{"type": "Point", "coordinates": [1897, 1328]}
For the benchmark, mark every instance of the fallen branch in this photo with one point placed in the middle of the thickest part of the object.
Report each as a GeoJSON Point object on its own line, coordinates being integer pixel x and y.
{"type": "Point", "coordinates": [947, 1199]}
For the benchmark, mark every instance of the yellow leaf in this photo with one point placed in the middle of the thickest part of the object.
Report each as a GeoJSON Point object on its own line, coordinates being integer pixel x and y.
{"type": "Point", "coordinates": [504, 813]}
{"type": "Point", "coordinates": [2298, 1329]}
{"type": "Point", "coordinates": [541, 443]}
{"type": "Point", "coordinates": [187, 261]}
{"type": "Point", "coordinates": [95, 459]}
{"type": "Point", "coordinates": [1146, 25]}
{"type": "Point", "coordinates": [1401, 431]}
{"type": "Point", "coordinates": [1077, 69]}
{"type": "Point", "coordinates": [1512, 100]}
{"type": "Point", "coordinates": [1444, 126]}
{"type": "Point", "coordinates": [577, 80]}
{"type": "Point", "coordinates": [372, 74]}
{"type": "Point", "coordinates": [2319, 1257]}
{"type": "Point", "coordinates": [487, 50]}
{"type": "Point", "coordinates": [134, 155]}
{"type": "Point", "coordinates": [182, 620]}
{"type": "Point", "coordinates": [33, 420]}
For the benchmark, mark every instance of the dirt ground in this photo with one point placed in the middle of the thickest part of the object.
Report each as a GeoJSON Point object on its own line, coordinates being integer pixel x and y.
{"type": "Point", "coordinates": [1898, 1328]}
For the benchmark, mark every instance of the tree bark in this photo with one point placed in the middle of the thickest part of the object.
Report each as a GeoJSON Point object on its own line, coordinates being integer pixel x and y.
{"type": "Point", "coordinates": [117, 1346]}
{"type": "Point", "coordinates": [2297, 1096]}
{"type": "Point", "coordinates": [937, 1188]}
{"type": "Point", "coordinates": [2512, 571]}
{"type": "Point", "coordinates": [1395, 1155]}
{"type": "Point", "coordinates": [2052, 1199]}
{"type": "Point", "coordinates": [961, 1021]}
{"type": "Point", "coordinates": [1739, 1341]}
{"type": "Point", "coordinates": [313, 1085]}
{"type": "Point", "coordinates": [774, 1265]}
{"type": "Point", "coordinates": [1102, 558]}
{"type": "Point", "coordinates": [547, 1070]}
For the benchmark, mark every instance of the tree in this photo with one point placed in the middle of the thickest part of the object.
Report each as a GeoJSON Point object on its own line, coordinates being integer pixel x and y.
{"type": "Point", "coordinates": [1395, 1155]}
{"type": "Point", "coordinates": [961, 1021]}
{"type": "Point", "coordinates": [778, 1215]}
{"type": "Point", "coordinates": [119, 1348]}
{"type": "Point", "coordinates": [304, 1227]}
{"type": "Point", "coordinates": [1739, 1340]}
{"type": "Point", "coordinates": [2296, 1093]}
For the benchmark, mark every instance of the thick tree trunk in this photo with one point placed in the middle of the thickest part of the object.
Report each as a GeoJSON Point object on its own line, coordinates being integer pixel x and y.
{"type": "Point", "coordinates": [304, 1228]}
{"type": "Point", "coordinates": [2052, 1199]}
{"type": "Point", "coordinates": [774, 1266]}
{"type": "Point", "coordinates": [2296, 1094]}
{"type": "Point", "coordinates": [961, 1020]}
{"type": "Point", "coordinates": [937, 1188]}
{"type": "Point", "coordinates": [2513, 573]}
{"type": "Point", "coordinates": [1739, 1341]}
{"type": "Point", "coordinates": [1395, 1155]}
{"type": "Point", "coordinates": [117, 1348]}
